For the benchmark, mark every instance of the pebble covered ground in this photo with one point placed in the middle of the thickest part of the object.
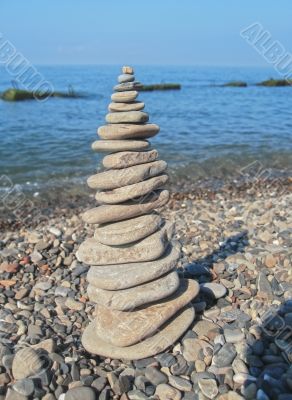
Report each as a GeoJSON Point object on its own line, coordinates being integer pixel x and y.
{"type": "Point", "coordinates": [238, 247]}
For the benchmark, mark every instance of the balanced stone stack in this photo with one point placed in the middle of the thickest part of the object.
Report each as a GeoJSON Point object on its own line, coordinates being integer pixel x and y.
{"type": "Point", "coordinates": [142, 307]}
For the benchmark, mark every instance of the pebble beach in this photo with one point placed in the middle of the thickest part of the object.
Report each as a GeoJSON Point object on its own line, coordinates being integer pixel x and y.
{"type": "Point", "coordinates": [236, 243]}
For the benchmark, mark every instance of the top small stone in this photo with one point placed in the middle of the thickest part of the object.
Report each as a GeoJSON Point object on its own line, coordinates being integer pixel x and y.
{"type": "Point", "coordinates": [127, 70]}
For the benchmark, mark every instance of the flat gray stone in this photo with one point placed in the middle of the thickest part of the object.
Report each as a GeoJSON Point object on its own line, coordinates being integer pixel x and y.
{"type": "Point", "coordinates": [122, 328]}
{"type": "Point", "coordinates": [26, 363]}
{"type": "Point", "coordinates": [24, 387]}
{"type": "Point", "coordinates": [122, 276]}
{"type": "Point", "coordinates": [208, 387]}
{"type": "Point", "coordinates": [127, 131]}
{"type": "Point", "coordinates": [155, 376]}
{"type": "Point", "coordinates": [130, 192]}
{"type": "Point", "coordinates": [134, 106]}
{"type": "Point", "coordinates": [225, 355]}
{"type": "Point", "coordinates": [128, 231]}
{"type": "Point", "coordinates": [167, 335]}
{"type": "Point", "coordinates": [126, 159]}
{"type": "Point", "coordinates": [123, 78]}
{"type": "Point", "coordinates": [125, 117]}
{"type": "Point", "coordinates": [124, 97]}
{"type": "Point", "coordinates": [113, 179]}
{"type": "Point", "coordinates": [78, 393]}
{"type": "Point", "coordinates": [112, 146]}
{"type": "Point", "coordinates": [128, 299]}
{"type": "Point", "coordinates": [167, 392]}
{"type": "Point", "coordinates": [13, 395]}
{"type": "Point", "coordinates": [122, 87]}
{"type": "Point", "coordinates": [213, 289]}
{"type": "Point", "coordinates": [112, 213]}
{"type": "Point", "coordinates": [152, 247]}
{"type": "Point", "coordinates": [233, 335]}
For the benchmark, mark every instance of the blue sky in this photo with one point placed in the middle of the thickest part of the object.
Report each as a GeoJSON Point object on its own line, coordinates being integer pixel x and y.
{"type": "Point", "coordinates": [163, 32]}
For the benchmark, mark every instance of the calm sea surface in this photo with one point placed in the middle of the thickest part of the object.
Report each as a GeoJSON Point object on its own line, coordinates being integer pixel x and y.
{"type": "Point", "coordinates": [206, 131]}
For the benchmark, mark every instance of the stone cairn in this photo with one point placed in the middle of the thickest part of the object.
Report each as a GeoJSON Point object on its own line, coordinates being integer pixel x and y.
{"type": "Point", "coordinates": [142, 307]}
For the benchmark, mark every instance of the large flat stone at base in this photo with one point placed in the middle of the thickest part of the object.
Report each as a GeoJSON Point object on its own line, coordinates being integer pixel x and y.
{"type": "Point", "coordinates": [123, 276]}
{"type": "Point", "coordinates": [129, 299]}
{"type": "Point", "coordinates": [122, 328]}
{"type": "Point", "coordinates": [167, 335]}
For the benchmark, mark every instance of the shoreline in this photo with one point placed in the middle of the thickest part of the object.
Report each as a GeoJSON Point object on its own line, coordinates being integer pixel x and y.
{"type": "Point", "coordinates": [24, 209]}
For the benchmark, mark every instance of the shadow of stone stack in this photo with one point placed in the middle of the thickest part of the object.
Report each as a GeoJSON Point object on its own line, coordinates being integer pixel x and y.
{"type": "Point", "coordinates": [142, 305]}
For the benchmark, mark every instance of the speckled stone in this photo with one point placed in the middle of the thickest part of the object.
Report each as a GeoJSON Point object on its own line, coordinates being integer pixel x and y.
{"type": "Point", "coordinates": [129, 192]}
{"type": "Point", "coordinates": [118, 212]}
{"type": "Point", "coordinates": [126, 159]}
{"type": "Point", "coordinates": [167, 335]}
{"type": "Point", "coordinates": [122, 131]}
{"type": "Point", "coordinates": [122, 276]}
{"type": "Point", "coordinates": [128, 231]}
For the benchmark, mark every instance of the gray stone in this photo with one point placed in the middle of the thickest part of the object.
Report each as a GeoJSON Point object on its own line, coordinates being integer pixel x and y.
{"type": "Point", "coordinates": [137, 395]}
{"type": "Point", "coordinates": [128, 231]}
{"type": "Point", "coordinates": [131, 192]}
{"type": "Point", "coordinates": [126, 78]}
{"type": "Point", "coordinates": [208, 387]}
{"type": "Point", "coordinates": [167, 392]}
{"type": "Point", "coordinates": [122, 276]}
{"type": "Point", "coordinates": [264, 286]}
{"type": "Point", "coordinates": [126, 117]}
{"type": "Point", "coordinates": [112, 179]}
{"type": "Point", "coordinates": [45, 285]}
{"type": "Point", "coordinates": [13, 395]}
{"type": "Point", "coordinates": [4, 350]}
{"type": "Point", "coordinates": [112, 146]}
{"type": "Point", "coordinates": [213, 289]}
{"type": "Point", "coordinates": [99, 383]}
{"type": "Point", "coordinates": [122, 87]}
{"type": "Point", "coordinates": [167, 335]}
{"type": "Point", "coordinates": [119, 212]}
{"type": "Point", "coordinates": [131, 298]}
{"type": "Point", "coordinates": [123, 131]}
{"type": "Point", "coordinates": [194, 348]}
{"type": "Point", "coordinates": [26, 363]}
{"type": "Point", "coordinates": [122, 328]}
{"type": "Point", "coordinates": [24, 387]}
{"type": "Point", "coordinates": [126, 159]}
{"type": "Point", "coordinates": [124, 97]}
{"type": "Point", "coordinates": [180, 383]}
{"type": "Point", "coordinates": [233, 335]}
{"type": "Point", "coordinates": [80, 393]}
{"type": "Point", "coordinates": [155, 376]}
{"type": "Point", "coordinates": [92, 252]}
{"type": "Point", "coordinates": [121, 107]}
{"type": "Point", "coordinates": [225, 355]}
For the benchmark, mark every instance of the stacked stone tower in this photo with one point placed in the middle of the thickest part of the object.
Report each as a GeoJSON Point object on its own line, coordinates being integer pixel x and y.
{"type": "Point", "coordinates": [142, 307]}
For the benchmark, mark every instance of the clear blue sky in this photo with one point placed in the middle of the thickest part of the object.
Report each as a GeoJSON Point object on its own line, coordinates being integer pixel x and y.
{"type": "Point", "coordinates": [171, 32]}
